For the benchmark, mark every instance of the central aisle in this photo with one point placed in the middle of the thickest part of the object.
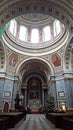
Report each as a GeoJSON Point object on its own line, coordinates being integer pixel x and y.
{"type": "Point", "coordinates": [35, 122]}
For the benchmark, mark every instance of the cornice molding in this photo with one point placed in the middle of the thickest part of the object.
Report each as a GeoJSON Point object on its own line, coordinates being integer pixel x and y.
{"type": "Point", "coordinates": [5, 75]}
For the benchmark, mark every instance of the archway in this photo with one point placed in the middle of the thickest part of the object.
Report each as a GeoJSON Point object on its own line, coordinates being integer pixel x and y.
{"type": "Point", "coordinates": [34, 89]}
{"type": "Point", "coordinates": [34, 74]}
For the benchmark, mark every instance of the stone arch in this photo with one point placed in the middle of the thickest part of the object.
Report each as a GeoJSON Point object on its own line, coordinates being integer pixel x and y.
{"type": "Point", "coordinates": [56, 9]}
{"type": "Point", "coordinates": [42, 76]}
{"type": "Point", "coordinates": [47, 63]}
{"type": "Point", "coordinates": [38, 70]}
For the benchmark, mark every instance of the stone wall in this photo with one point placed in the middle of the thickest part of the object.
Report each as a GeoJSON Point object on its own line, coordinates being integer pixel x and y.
{"type": "Point", "coordinates": [61, 88]}
{"type": "Point", "coordinates": [9, 86]}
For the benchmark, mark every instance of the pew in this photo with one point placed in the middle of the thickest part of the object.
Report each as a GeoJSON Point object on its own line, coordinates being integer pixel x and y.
{"type": "Point", "coordinates": [3, 123]}
{"type": "Point", "coordinates": [67, 123]}
{"type": "Point", "coordinates": [10, 119]}
{"type": "Point", "coordinates": [57, 118]}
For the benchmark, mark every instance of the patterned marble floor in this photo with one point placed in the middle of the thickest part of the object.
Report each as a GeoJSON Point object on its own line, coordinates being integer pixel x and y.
{"type": "Point", "coordinates": [35, 122]}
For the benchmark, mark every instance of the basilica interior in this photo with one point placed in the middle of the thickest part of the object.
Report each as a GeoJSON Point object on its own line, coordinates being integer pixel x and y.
{"type": "Point", "coordinates": [36, 56]}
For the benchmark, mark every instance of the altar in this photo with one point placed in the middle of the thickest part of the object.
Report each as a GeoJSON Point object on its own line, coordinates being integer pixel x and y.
{"type": "Point", "coordinates": [34, 105]}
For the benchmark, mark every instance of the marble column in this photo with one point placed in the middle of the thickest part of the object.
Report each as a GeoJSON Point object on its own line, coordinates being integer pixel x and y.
{"type": "Point", "coordinates": [24, 86]}
{"type": "Point", "coordinates": [44, 87]}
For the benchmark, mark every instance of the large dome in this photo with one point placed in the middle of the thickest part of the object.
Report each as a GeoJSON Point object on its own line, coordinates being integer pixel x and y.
{"type": "Point", "coordinates": [31, 32]}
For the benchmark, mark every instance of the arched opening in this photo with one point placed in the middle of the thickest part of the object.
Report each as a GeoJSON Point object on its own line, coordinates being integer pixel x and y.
{"type": "Point", "coordinates": [34, 90]}
{"type": "Point", "coordinates": [34, 76]}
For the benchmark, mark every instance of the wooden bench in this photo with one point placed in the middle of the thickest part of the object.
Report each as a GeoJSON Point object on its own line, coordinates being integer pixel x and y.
{"type": "Point", "coordinates": [67, 123]}
{"type": "Point", "coordinates": [12, 118]}
{"type": "Point", "coordinates": [3, 123]}
{"type": "Point", "coordinates": [57, 118]}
